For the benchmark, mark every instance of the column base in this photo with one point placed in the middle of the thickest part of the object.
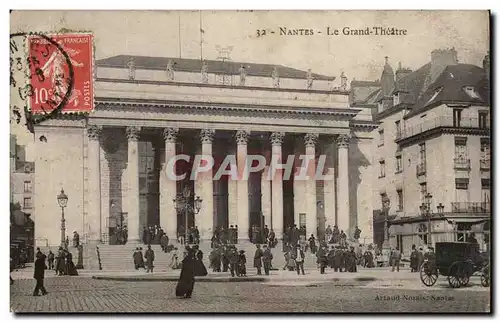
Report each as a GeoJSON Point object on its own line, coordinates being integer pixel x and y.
{"type": "Point", "coordinates": [134, 241]}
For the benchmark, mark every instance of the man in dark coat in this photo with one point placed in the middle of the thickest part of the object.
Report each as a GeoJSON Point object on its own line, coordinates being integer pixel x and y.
{"type": "Point", "coordinates": [257, 259]}
{"type": "Point", "coordinates": [331, 257]}
{"type": "Point", "coordinates": [242, 264]}
{"type": "Point", "coordinates": [420, 258]}
{"type": "Point", "coordinates": [322, 259]}
{"type": "Point", "coordinates": [225, 258]}
{"type": "Point", "coordinates": [267, 258]}
{"type": "Point", "coordinates": [60, 262]}
{"type": "Point", "coordinates": [335, 234]}
{"type": "Point", "coordinates": [50, 259]}
{"type": "Point", "coordinates": [337, 260]}
{"type": "Point", "coordinates": [164, 242]}
{"type": "Point", "coordinates": [266, 234]}
{"type": "Point", "coordinates": [272, 239]}
{"type": "Point", "coordinates": [298, 255]}
{"type": "Point", "coordinates": [233, 261]}
{"type": "Point", "coordinates": [39, 275]}
{"type": "Point", "coordinates": [150, 257]}
{"type": "Point", "coordinates": [231, 235]}
{"type": "Point", "coordinates": [185, 285]}
{"type": "Point", "coordinates": [70, 266]}
{"type": "Point", "coordinates": [312, 244]}
{"type": "Point", "coordinates": [351, 261]}
{"type": "Point", "coordinates": [196, 233]}
{"type": "Point", "coordinates": [414, 259]}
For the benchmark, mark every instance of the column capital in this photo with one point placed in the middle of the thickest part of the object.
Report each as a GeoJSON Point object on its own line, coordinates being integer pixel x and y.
{"type": "Point", "coordinates": [170, 134]}
{"type": "Point", "coordinates": [242, 137]}
{"type": "Point", "coordinates": [343, 140]}
{"type": "Point", "coordinates": [207, 135]}
{"type": "Point", "coordinates": [93, 132]}
{"type": "Point", "coordinates": [310, 139]}
{"type": "Point", "coordinates": [276, 138]}
{"type": "Point", "coordinates": [133, 133]}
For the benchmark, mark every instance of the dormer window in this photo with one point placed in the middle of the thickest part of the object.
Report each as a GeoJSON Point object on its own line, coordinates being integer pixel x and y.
{"type": "Point", "coordinates": [396, 98]}
{"type": "Point", "coordinates": [472, 92]}
{"type": "Point", "coordinates": [436, 93]}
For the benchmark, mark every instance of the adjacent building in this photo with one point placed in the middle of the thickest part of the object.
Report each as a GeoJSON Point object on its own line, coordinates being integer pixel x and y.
{"type": "Point", "coordinates": [431, 151]}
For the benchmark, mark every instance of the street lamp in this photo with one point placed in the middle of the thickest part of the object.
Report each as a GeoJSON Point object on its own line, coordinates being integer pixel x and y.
{"type": "Point", "coordinates": [62, 200]}
{"type": "Point", "coordinates": [386, 205]}
{"type": "Point", "coordinates": [182, 203]}
{"type": "Point", "coordinates": [425, 210]}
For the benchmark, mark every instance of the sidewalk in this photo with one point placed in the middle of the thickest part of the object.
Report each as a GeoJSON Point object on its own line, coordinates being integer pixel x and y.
{"type": "Point", "coordinates": [363, 275]}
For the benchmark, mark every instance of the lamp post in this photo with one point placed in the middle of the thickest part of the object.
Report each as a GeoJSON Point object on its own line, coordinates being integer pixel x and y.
{"type": "Point", "coordinates": [182, 203]}
{"type": "Point", "coordinates": [386, 205]}
{"type": "Point", "coordinates": [425, 210]}
{"type": "Point", "coordinates": [62, 200]}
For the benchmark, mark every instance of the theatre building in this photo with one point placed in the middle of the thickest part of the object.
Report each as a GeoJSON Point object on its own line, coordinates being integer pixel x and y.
{"type": "Point", "coordinates": [111, 163]}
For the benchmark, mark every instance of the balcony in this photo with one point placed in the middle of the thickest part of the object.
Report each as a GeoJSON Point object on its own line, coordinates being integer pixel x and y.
{"type": "Point", "coordinates": [470, 207]}
{"type": "Point", "coordinates": [461, 163]}
{"type": "Point", "coordinates": [484, 164]}
{"type": "Point", "coordinates": [420, 169]}
{"type": "Point", "coordinates": [442, 122]}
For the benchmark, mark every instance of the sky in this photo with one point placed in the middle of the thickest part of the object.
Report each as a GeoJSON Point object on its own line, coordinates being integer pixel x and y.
{"type": "Point", "coordinates": [178, 34]}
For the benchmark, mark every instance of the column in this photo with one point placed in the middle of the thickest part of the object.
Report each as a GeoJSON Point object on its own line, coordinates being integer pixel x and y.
{"type": "Point", "coordinates": [277, 184]}
{"type": "Point", "coordinates": [168, 185]}
{"type": "Point", "coordinates": [242, 185]}
{"type": "Point", "coordinates": [133, 208]}
{"type": "Point", "coordinates": [204, 220]}
{"type": "Point", "coordinates": [265, 190]}
{"type": "Point", "coordinates": [343, 212]}
{"type": "Point", "coordinates": [310, 140]}
{"type": "Point", "coordinates": [94, 184]}
{"type": "Point", "coordinates": [232, 191]}
{"type": "Point", "coordinates": [330, 203]}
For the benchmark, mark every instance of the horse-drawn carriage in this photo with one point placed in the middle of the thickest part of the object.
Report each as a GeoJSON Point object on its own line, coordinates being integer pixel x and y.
{"type": "Point", "coordinates": [458, 261]}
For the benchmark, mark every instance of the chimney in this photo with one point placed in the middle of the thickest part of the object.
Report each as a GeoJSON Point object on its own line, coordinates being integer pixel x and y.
{"type": "Point", "coordinates": [402, 72]}
{"type": "Point", "coordinates": [440, 58]}
{"type": "Point", "coordinates": [387, 79]}
{"type": "Point", "coordinates": [486, 66]}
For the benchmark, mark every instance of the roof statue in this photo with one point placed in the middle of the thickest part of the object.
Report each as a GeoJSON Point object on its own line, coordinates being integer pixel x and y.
{"type": "Point", "coordinates": [243, 75]}
{"type": "Point", "coordinates": [310, 79]}
{"type": "Point", "coordinates": [204, 72]}
{"type": "Point", "coordinates": [343, 81]}
{"type": "Point", "coordinates": [131, 68]}
{"type": "Point", "coordinates": [276, 78]}
{"type": "Point", "coordinates": [170, 70]}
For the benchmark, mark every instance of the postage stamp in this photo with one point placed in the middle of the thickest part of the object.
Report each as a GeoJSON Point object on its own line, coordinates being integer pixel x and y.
{"type": "Point", "coordinates": [62, 66]}
{"type": "Point", "coordinates": [250, 161]}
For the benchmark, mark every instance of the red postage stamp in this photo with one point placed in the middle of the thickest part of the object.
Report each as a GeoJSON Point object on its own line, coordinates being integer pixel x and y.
{"type": "Point", "coordinates": [61, 68]}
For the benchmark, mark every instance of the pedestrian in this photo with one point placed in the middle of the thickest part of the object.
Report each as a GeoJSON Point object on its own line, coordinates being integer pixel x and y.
{"type": "Point", "coordinates": [272, 239]}
{"type": "Point", "coordinates": [225, 258]}
{"type": "Point", "coordinates": [257, 259]}
{"type": "Point", "coordinates": [150, 257]}
{"type": "Point", "coordinates": [70, 266]}
{"type": "Point", "coordinates": [233, 262]}
{"type": "Point", "coordinates": [242, 264]}
{"type": "Point", "coordinates": [298, 256]}
{"type": "Point", "coordinates": [60, 262]}
{"type": "Point", "coordinates": [267, 258]}
{"type": "Point", "coordinates": [351, 261]}
{"type": "Point", "coordinates": [174, 261]}
{"type": "Point", "coordinates": [185, 284]}
{"type": "Point", "coordinates": [164, 243]}
{"type": "Point", "coordinates": [322, 259]}
{"type": "Point", "coordinates": [414, 259]}
{"type": "Point", "coordinates": [395, 259]}
{"type": "Point", "coordinates": [39, 275]}
{"type": "Point", "coordinates": [50, 260]}
{"type": "Point", "coordinates": [199, 267]}
{"type": "Point", "coordinates": [328, 234]}
{"type": "Point", "coordinates": [137, 256]}
{"type": "Point", "coordinates": [312, 244]}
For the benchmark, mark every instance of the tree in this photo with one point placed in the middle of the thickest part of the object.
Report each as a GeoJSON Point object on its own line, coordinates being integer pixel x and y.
{"type": "Point", "coordinates": [15, 206]}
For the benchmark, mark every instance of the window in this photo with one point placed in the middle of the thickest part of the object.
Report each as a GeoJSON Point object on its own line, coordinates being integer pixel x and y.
{"type": "Point", "coordinates": [398, 128]}
{"type": "Point", "coordinates": [461, 148]}
{"type": "Point", "coordinates": [457, 117]}
{"type": "Point", "coordinates": [27, 186]}
{"type": "Point", "coordinates": [461, 183]}
{"type": "Point", "coordinates": [27, 203]}
{"type": "Point", "coordinates": [399, 164]}
{"type": "Point", "coordinates": [381, 137]}
{"type": "Point", "coordinates": [382, 168]}
{"type": "Point", "coordinates": [384, 200]}
{"type": "Point", "coordinates": [396, 98]}
{"type": "Point", "coordinates": [400, 200]}
{"type": "Point", "coordinates": [472, 92]}
{"type": "Point", "coordinates": [485, 184]}
{"type": "Point", "coordinates": [485, 148]}
{"type": "Point", "coordinates": [422, 153]}
{"type": "Point", "coordinates": [483, 119]}
{"type": "Point", "coordinates": [423, 191]}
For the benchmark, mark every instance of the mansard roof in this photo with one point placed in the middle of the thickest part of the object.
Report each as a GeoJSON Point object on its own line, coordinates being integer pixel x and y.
{"type": "Point", "coordinates": [214, 66]}
{"type": "Point", "coordinates": [449, 87]}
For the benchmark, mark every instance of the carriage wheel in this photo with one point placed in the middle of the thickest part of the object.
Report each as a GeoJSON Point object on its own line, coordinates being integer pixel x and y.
{"type": "Point", "coordinates": [428, 276]}
{"type": "Point", "coordinates": [459, 275]}
{"type": "Point", "coordinates": [485, 277]}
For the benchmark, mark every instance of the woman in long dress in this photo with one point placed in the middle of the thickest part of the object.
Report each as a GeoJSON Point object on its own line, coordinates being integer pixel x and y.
{"type": "Point", "coordinates": [185, 284]}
